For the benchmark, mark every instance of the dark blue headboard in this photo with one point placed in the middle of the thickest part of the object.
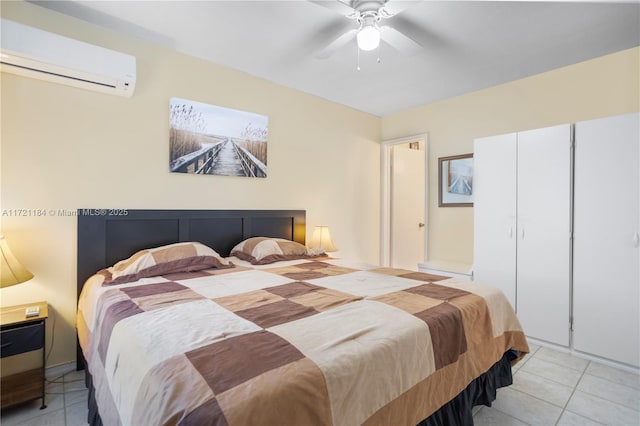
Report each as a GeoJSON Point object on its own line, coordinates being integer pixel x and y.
{"type": "Point", "coordinates": [107, 236]}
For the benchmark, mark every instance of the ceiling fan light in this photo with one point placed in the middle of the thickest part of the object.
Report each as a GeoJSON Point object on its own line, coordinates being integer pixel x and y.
{"type": "Point", "coordinates": [368, 38]}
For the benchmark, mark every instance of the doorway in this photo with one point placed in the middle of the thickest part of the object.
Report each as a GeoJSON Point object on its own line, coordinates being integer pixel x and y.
{"type": "Point", "coordinates": [404, 171]}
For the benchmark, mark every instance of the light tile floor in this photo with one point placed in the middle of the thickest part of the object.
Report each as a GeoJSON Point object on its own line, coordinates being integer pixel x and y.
{"type": "Point", "coordinates": [549, 388]}
{"type": "Point", "coordinates": [66, 399]}
{"type": "Point", "coordinates": [556, 388]}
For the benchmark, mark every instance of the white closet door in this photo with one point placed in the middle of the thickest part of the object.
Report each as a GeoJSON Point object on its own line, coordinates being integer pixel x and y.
{"type": "Point", "coordinates": [544, 225]}
{"type": "Point", "coordinates": [494, 198]}
{"type": "Point", "coordinates": [606, 255]}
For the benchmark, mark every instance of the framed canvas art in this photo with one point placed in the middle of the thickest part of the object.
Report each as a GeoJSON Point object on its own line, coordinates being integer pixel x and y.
{"type": "Point", "coordinates": [213, 140]}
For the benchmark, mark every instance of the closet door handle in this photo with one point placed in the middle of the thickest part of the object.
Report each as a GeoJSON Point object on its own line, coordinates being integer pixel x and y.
{"type": "Point", "coordinates": [522, 233]}
{"type": "Point", "coordinates": [510, 232]}
{"type": "Point", "coordinates": [636, 240]}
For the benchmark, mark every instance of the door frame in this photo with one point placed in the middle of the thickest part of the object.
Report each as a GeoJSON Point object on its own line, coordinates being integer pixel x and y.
{"type": "Point", "coordinates": [385, 194]}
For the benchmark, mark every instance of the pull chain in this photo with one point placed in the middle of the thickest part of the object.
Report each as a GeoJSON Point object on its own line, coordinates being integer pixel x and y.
{"type": "Point", "coordinates": [378, 59]}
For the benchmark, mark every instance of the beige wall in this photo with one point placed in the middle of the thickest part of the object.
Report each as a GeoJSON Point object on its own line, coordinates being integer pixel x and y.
{"type": "Point", "coordinates": [68, 148]}
{"type": "Point", "coordinates": [601, 87]}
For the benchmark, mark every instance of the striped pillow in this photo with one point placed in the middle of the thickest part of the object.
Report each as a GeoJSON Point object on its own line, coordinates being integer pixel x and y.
{"type": "Point", "coordinates": [262, 250]}
{"type": "Point", "coordinates": [178, 257]}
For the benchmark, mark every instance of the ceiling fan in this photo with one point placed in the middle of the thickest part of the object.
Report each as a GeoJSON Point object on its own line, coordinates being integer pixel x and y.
{"type": "Point", "coordinates": [368, 15]}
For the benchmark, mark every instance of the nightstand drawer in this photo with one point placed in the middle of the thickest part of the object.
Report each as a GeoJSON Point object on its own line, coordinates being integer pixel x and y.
{"type": "Point", "coordinates": [20, 340]}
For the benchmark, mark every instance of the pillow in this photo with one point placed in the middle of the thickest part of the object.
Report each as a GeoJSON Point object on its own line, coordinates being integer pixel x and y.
{"type": "Point", "coordinates": [262, 250]}
{"type": "Point", "coordinates": [178, 257]}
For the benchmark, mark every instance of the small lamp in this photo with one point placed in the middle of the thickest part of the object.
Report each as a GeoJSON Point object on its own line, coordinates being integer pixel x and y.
{"type": "Point", "coordinates": [321, 239]}
{"type": "Point", "coordinates": [11, 271]}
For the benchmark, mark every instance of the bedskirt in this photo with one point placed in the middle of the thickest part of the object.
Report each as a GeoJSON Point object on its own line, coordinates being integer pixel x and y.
{"type": "Point", "coordinates": [481, 391]}
{"type": "Point", "coordinates": [457, 412]}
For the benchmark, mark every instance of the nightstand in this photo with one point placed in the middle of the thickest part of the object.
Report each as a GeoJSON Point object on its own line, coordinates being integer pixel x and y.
{"type": "Point", "coordinates": [19, 335]}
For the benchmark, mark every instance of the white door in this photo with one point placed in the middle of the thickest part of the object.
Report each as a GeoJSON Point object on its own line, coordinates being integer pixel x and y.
{"type": "Point", "coordinates": [407, 207]}
{"type": "Point", "coordinates": [544, 233]}
{"type": "Point", "coordinates": [606, 254]}
{"type": "Point", "coordinates": [494, 209]}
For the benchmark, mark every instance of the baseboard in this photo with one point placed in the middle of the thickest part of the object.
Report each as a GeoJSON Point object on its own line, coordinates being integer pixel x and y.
{"type": "Point", "coordinates": [583, 355]}
{"type": "Point", "coordinates": [59, 370]}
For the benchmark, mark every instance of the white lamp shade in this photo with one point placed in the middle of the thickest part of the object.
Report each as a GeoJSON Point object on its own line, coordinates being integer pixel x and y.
{"type": "Point", "coordinates": [321, 239]}
{"type": "Point", "coordinates": [11, 271]}
{"type": "Point", "coordinates": [368, 38]}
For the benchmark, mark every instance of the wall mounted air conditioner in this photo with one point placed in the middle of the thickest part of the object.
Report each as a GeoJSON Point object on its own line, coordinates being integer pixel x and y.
{"type": "Point", "coordinates": [46, 56]}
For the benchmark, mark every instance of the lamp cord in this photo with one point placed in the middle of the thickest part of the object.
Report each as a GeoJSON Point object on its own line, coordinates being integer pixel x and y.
{"type": "Point", "coordinates": [53, 336]}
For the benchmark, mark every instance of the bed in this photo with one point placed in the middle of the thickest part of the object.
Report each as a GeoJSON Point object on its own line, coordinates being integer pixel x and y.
{"type": "Point", "coordinates": [298, 340]}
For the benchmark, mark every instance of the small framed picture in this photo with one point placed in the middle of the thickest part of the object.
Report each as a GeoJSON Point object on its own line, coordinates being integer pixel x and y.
{"type": "Point", "coordinates": [455, 181]}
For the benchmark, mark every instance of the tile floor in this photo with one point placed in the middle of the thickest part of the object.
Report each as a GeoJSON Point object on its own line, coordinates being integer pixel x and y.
{"type": "Point", "coordinates": [549, 388]}
{"type": "Point", "coordinates": [556, 388]}
{"type": "Point", "coordinates": [66, 399]}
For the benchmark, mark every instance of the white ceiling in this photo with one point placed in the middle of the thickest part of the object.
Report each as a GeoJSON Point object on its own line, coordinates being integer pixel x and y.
{"type": "Point", "coordinates": [466, 46]}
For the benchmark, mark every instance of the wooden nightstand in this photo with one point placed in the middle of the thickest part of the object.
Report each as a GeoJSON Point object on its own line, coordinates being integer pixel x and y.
{"type": "Point", "coordinates": [19, 335]}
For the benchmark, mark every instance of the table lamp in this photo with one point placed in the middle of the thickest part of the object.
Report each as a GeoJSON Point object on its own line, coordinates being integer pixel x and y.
{"type": "Point", "coordinates": [12, 272]}
{"type": "Point", "coordinates": [321, 239]}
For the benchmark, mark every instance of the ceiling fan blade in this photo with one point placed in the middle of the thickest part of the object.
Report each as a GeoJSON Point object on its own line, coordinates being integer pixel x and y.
{"type": "Point", "coordinates": [336, 44]}
{"type": "Point", "coordinates": [420, 32]}
{"type": "Point", "coordinates": [399, 41]}
{"type": "Point", "coordinates": [341, 7]}
{"type": "Point", "coordinates": [393, 7]}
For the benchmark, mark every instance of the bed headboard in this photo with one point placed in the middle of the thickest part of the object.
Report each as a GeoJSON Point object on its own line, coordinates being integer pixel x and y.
{"type": "Point", "coordinates": [107, 236]}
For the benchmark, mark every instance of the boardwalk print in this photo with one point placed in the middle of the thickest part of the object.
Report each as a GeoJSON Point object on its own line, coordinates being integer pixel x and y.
{"type": "Point", "coordinates": [208, 139]}
{"type": "Point", "coordinates": [460, 179]}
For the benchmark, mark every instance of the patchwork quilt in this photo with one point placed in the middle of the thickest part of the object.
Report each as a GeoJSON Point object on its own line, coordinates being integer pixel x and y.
{"type": "Point", "coordinates": [305, 342]}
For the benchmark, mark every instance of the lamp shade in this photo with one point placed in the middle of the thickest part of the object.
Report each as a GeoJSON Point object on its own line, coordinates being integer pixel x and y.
{"type": "Point", "coordinates": [321, 239]}
{"type": "Point", "coordinates": [11, 271]}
